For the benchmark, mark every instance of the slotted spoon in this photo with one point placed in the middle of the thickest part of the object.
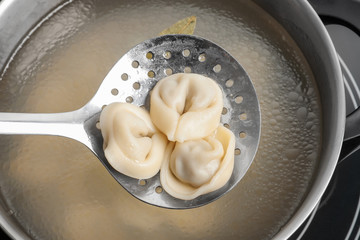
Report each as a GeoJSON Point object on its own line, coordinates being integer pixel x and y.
{"type": "Point", "coordinates": [131, 80]}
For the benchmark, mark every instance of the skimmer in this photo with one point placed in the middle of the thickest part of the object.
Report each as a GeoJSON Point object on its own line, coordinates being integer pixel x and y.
{"type": "Point", "coordinates": [130, 80]}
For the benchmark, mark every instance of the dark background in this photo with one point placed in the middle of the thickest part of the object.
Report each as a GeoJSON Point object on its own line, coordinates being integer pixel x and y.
{"type": "Point", "coordinates": [336, 216]}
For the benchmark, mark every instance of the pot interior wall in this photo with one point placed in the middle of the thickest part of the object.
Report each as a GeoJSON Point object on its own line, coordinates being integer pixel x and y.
{"type": "Point", "coordinates": [54, 187]}
{"type": "Point", "coordinates": [312, 38]}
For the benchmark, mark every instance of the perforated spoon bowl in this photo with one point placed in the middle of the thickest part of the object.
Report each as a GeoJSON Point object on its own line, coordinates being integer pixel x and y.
{"type": "Point", "coordinates": [130, 80]}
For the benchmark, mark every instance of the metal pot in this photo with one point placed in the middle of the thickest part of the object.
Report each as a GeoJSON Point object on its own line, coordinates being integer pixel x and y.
{"type": "Point", "coordinates": [17, 18]}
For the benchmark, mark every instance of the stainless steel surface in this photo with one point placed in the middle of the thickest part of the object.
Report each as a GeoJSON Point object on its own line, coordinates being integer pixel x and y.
{"type": "Point", "coordinates": [22, 16]}
{"type": "Point", "coordinates": [314, 41]}
{"type": "Point", "coordinates": [144, 65]}
{"type": "Point", "coordinates": [28, 14]}
{"type": "Point", "coordinates": [306, 29]}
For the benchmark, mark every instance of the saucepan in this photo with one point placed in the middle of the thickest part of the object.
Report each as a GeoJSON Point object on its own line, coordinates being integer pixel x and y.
{"type": "Point", "coordinates": [275, 196]}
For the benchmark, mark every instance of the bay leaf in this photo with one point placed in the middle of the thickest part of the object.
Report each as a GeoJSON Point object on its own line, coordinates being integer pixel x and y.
{"type": "Point", "coordinates": [184, 26]}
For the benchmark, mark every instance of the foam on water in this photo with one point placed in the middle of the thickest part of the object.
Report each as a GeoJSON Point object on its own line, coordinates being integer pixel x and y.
{"type": "Point", "coordinates": [58, 190]}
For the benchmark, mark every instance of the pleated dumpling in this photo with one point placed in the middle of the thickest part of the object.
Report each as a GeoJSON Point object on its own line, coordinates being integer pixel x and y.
{"type": "Point", "coordinates": [186, 106]}
{"type": "Point", "coordinates": [132, 144]}
{"type": "Point", "coordinates": [197, 167]}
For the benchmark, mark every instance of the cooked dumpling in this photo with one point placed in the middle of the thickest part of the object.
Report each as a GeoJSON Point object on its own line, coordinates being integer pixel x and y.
{"type": "Point", "coordinates": [197, 167]}
{"type": "Point", "coordinates": [132, 144]}
{"type": "Point", "coordinates": [186, 106]}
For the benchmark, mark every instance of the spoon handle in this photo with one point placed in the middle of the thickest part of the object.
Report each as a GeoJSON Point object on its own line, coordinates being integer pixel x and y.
{"type": "Point", "coordinates": [66, 124]}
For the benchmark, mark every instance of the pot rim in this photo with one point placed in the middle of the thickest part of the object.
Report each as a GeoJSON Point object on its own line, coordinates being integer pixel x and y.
{"type": "Point", "coordinates": [330, 154]}
{"type": "Point", "coordinates": [320, 182]}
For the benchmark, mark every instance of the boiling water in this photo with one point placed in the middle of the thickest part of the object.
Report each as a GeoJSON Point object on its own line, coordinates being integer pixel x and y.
{"type": "Point", "coordinates": [57, 189]}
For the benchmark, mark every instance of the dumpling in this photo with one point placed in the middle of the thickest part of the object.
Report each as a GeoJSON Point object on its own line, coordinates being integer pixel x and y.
{"type": "Point", "coordinates": [132, 144]}
{"type": "Point", "coordinates": [197, 167]}
{"type": "Point", "coordinates": [186, 106]}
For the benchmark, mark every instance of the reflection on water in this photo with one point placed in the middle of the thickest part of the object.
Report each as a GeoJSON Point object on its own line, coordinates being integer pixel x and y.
{"type": "Point", "coordinates": [59, 190]}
